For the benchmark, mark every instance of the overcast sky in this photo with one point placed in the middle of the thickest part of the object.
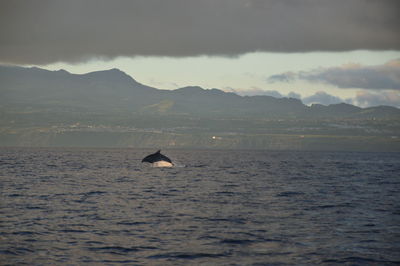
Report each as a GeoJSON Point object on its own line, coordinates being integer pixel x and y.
{"type": "Point", "coordinates": [319, 50]}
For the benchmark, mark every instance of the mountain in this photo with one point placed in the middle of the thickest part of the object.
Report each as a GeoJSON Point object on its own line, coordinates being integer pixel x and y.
{"type": "Point", "coordinates": [101, 90]}
{"type": "Point", "coordinates": [115, 91]}
{"type": "Point", "coordinates": [111, 109]}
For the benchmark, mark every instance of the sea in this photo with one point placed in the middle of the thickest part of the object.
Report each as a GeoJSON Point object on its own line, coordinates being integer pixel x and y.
{"type": "Point", "coordinates": [73, 206]}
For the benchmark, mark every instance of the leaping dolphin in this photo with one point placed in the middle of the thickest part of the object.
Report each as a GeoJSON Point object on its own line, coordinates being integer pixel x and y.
{"type": "Point", "coordinates": [158, 160]}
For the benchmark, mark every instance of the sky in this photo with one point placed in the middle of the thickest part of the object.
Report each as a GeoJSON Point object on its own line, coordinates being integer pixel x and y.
{"type": "Point", "coordinates": [320, 51]}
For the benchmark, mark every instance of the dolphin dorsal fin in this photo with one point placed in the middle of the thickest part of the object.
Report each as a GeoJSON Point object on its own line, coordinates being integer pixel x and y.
{"type": "Point", "coordinates": [159, 151]}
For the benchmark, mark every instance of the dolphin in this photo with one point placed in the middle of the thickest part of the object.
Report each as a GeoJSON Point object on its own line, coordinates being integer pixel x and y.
{"type": "Point", "coordinates": [158, 160]}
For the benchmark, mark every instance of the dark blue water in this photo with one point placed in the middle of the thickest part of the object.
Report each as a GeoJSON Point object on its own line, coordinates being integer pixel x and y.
{"type": "Point", "coordinates": [77, 206]}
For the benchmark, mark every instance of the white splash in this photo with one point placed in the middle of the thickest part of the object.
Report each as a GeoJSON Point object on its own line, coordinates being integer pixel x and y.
{"type": "Point", "coordinates": [162, 164]}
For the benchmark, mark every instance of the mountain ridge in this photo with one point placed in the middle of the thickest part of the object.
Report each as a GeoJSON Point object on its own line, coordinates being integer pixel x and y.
{"type": "Point", "coordinates": [113, 89]}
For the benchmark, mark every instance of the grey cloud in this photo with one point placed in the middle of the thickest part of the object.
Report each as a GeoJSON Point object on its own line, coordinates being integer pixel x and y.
{"type": "Point", "coordinates": [381, 77]}
{"type": "Point", "coordinates": [284, 77]}
{"type": "Point", "coordinates": [366, 98]}
{"type": "Point", "coordinates": [260, 92]}
{"type": "Point", "coordinates": [321, 97]}
{"type": "Point", "coordinates": [257, 91]}
{"type": "Point", "coordinates": [295, 95]}
{"type": "Point", "coordinates": [46, 31]}
{"type": "Point", "coordinates": [363, 98]}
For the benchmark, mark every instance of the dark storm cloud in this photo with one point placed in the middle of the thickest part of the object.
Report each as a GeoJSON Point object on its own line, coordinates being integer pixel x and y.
{"type": "Point", "coordinates": [46, 31]}
{"type": "Point", "coordinates": [380, 77]}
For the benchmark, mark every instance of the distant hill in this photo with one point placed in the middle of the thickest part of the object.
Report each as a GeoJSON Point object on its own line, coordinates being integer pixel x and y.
{"type": "Point", "coordinates": [114, 91]}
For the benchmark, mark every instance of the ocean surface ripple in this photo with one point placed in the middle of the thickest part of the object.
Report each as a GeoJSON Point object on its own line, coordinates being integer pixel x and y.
{"type": "Point", "coordinates": [102, 206]}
